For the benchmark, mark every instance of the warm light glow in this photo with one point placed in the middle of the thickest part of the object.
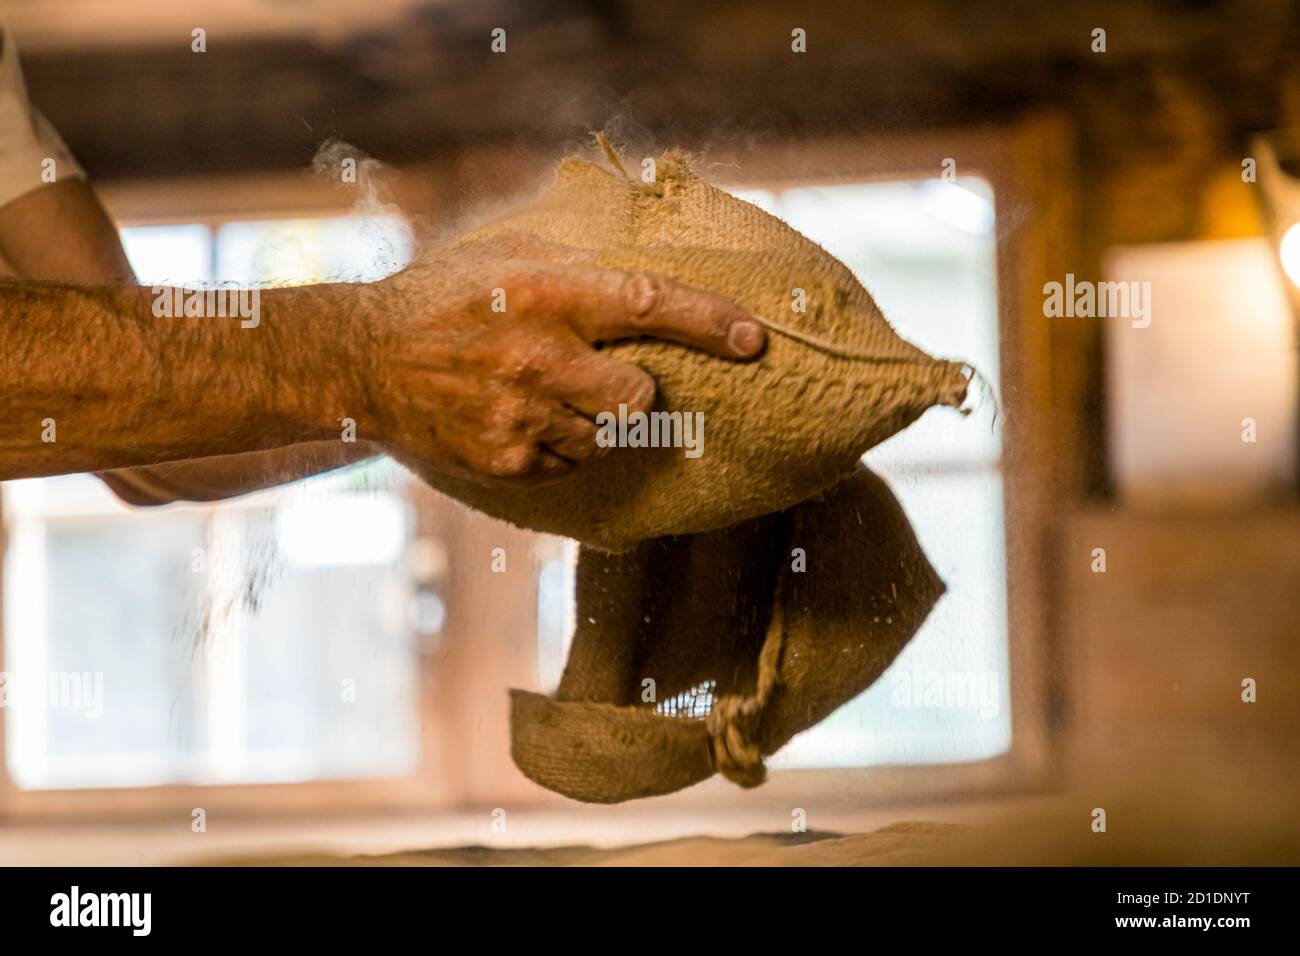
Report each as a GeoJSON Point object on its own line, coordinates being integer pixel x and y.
{"type": "Point", "coordinates": [1290, 253]}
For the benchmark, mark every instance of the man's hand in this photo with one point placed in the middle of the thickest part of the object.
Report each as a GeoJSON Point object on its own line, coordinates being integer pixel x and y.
{"type": "Point", "coordinates": [512, 395]}
{"type": "Point", "coordinates": [419, 363]}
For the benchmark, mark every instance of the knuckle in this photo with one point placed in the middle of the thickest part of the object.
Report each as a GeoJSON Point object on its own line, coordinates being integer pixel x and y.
{"type": "Point", "coordinates": [641, 295]}
{"type": "Point", "coordinates": [524, 362]}
{"type": "Point", "coordinates": [509, 418]}
{"type": "Point", "coordinates": [529, 289]}
{"type": "Point", "coordinates": [641, 393]}
{"type": "Point", "coordinates": [524, 294]}
{"type": "Point", "coordinates": [512, 462]}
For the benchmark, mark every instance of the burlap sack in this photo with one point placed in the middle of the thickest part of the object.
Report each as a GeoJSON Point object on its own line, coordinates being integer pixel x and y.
{"type": "Point", "coordinates": [743, 650]}
{"type": "Point", "coordinates": [834, 380]}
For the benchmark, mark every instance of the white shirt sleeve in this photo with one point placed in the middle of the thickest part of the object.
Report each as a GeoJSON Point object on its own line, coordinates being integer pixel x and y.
{"type": "Point", "coordinates": [27, 141]}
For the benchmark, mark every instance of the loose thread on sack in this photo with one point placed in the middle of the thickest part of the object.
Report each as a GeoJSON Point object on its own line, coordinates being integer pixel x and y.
{"type": "Point", "coordinates": [610, 153]}
{"type": "Point", "coordinates": [987, 393]}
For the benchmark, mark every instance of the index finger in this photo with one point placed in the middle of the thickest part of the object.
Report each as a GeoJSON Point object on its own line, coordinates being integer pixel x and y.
{"type": "Point", "coordinates": [605, 305]}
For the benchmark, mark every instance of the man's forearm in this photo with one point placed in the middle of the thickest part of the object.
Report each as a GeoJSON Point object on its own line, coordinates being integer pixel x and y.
{"type": "Point", "coordinates": [62, 233]}
{"type": "Point", "coordinates": [95, 380]}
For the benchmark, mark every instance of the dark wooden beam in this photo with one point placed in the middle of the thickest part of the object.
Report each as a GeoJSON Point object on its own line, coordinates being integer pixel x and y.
{"type": "Point", "coordinates": [688, 72]}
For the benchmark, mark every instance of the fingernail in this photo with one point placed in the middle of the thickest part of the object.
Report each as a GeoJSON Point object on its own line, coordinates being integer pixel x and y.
{"type": "Point", "coordinates": [746, 337]}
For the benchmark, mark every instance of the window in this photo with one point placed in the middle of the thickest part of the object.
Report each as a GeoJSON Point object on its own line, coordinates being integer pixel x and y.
{"type": "Point", "coordinates": [280, 251]}
{"type": "Point", "coordinates": [926, 250]}
{"type": "Point", "coordinates": [247, 641]}
{"type": "Point", "coordinates": [258, 641]}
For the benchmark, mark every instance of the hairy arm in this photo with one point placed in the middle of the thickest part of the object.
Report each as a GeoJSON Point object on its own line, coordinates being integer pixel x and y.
{"type": "Point", "coordinates": [62, 233]}
{"type": "Point", "coordinates": [94, 380]}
